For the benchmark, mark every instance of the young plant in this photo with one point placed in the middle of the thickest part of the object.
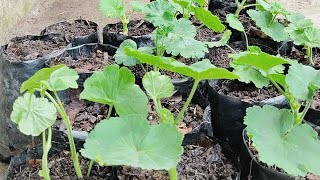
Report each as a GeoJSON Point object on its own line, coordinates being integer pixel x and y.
{"type": "Point", "coordinates": [35, 115]}
{"type": "Point", "coordinates": [265, 19]}
{"type": "Point", "coordinates": [177, 37]}
{"type": "Point", "coordinates": [270, 128]}
{"type": "Point", "coordinates": [303, 33]}
{"type": "Point", "coordinates": [199, 71]}
{"type": "Point", "coordinates": [141, 145]}
{"type": "Point", "coordinates": [115, 9]}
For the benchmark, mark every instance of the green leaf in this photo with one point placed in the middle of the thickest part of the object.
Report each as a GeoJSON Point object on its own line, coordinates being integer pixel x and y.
{"type": "Point", "coordinates": [294, 17]}
{"type": "Point", "coordinates": [235, 23]}
{"type": "Point", "coordinates": [157, 86]}
{"type": "Point", "coordinates": [181, 41]}
{"type": "Point", "coordinates": [62, 79]}
{"type": "Point", "coordinates": [160, 13]}
{"type": "Point", "coordinates": [166, 116]}
{"type": "Point", "coordinates": [200, 71]}
{"type": "Point", "coordinates": [274, 7]}
{"type": "Point", "coordinates": [293, 148]}
{"type": "Point", "coordinates": [112, 8]}
{"type": "Point", "coordinates": [130, 141]}
{"type": "Point", "coordinates": [222, 42]}
{"type": "Point", "coordinates": [248, 74]}
{"type": "Point", "coordinates": [121, 58]}
{"type": "Point", "coordinates": [271, 28]}
{"type": "Point", "coordinates": [33, 115]}
{"type": "Point", "coordinates": [301, 80]}
{"type": "Point", "coordinates": [309, 37]}
{"type": "Point", "coordinates": [137, 6]}
{"type": "Point", "coordinates": [208, 19]}
{"type": "Point", "coordinates": [261, 61]}
{"type": "Point", "coordinates": [56, 78]}
{"type": "Point", "coordinates": [114, 86]}
{"type": "Point", "coordinates": [34, 82]}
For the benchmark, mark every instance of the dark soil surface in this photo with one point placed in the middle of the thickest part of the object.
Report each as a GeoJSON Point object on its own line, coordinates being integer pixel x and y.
{"type": "Point", "coordinates": [135, 28]}
{"type": "Point", "coordinates": [86, 63]}
{"type": "Point", "coordinates": [191, 119]}
{"type": "Point", "coordinates": [33, 47]}
{"type": "Point", "coordinates": [316, 101]}
{"type": "Point", "coordinates": [245, 92]}
{"type": "Point", "coordinates": [219, 56]}
{"type": "Point", "coordinates": [197, 162]}
{"type": "Point", "coordinates": [205, 34]}
{"type": "Point", "coordinates": [300, 55]}
{"type": "Point", "coordinates": [84, 115]}
{"type": "Point", "coordinates": [72, 30]}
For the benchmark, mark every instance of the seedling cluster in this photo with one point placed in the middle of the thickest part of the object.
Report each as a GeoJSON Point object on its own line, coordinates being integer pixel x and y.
{"type": "Point", "coordinates": [125, 137]}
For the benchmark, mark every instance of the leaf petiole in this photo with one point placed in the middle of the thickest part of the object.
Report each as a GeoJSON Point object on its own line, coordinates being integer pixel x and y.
{"type": "Point", "coordinates": [46, 145]}
{"type": "Point", "coordinates": [173, 174]}
{"type": "Point", "coordinates": [66, 120]}
{"type": "Point", "coordinates": [186, 104]}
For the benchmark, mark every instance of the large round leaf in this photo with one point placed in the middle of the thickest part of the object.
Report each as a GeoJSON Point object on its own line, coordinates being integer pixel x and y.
{"type": "Point", "coordinates": [131, 141]}
{"type": "Point", "coordinates": [294, 148]}
{"type": "Point", "coordinates": [33, 115]}
{"type": "Point", "coordinates": [115, 86]}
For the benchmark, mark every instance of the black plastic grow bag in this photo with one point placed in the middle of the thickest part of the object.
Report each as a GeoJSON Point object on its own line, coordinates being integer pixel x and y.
{"type": "Point", "coordinates": [115, 39]}
{"type": "Point", "coordinates": [227, 114]}
{"type": "Point", "coordinates": [253, 170]}
{"type": "Point", "coordinates": [13, 72]}
{"type": "Point", "coordinates": [76, 40]}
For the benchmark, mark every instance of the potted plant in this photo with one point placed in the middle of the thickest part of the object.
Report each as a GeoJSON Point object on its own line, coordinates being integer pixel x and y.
{"type": "Point", "coordinates": [279, 142]}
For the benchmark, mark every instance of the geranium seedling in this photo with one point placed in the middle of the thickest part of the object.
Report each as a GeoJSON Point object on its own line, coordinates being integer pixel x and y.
{"type": "Point", "coordinates": [35, 115]}
{"type": "Point", "coordinates": [271, 128]}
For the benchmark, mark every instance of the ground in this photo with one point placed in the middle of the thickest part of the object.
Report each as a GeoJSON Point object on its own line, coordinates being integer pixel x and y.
{"type": "Point", "coordinates": [22, 17]}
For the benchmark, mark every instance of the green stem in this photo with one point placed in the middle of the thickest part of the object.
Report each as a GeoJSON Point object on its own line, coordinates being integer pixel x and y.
{"type": "Point", "coordinates": [305, 110]}
{"type": "Point", "coordinates": [66, 120]}
{"type": "Point", "coordinates": [309, 55]}
{"type": "Point", "coordinates": [240, 8]}
{"type": "Point", "coordinates": [292, 102]}
{"type": "Point", "coordinates": [125, 22]}
{"type": "Point", "coordinates": [247, 41]}
{"type": "Point", "coordinates": [234, 51]}
{"type": "Point", "coordinates": [185, 106]}
{"type": "Point", "coordinates": [109, 111]}
{"type": "Point", "coordinates": [90, 167]}
{"type": "Point", "coordinates": [173, 174]}
{"type": "Point", "coordinates": [250, 5]}
{"type": "Point", "coordinates": [46, 145]}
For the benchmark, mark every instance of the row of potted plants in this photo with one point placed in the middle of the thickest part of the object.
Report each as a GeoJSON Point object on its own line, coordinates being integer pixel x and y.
{"type": "Point", "coordinates": [128, 140]}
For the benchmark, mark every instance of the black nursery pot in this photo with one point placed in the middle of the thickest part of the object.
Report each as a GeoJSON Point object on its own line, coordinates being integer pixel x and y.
{"type": "Point", "coordinates": [112, 33]}
{"type": "Point", "coordinates": [227, 114]}
{"type": "Point", "coordinates": [253, 170]}
{"type": "Point", "coordinates": [14, 70]}
{"type": "Point", "coordinates": [77, 33]}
